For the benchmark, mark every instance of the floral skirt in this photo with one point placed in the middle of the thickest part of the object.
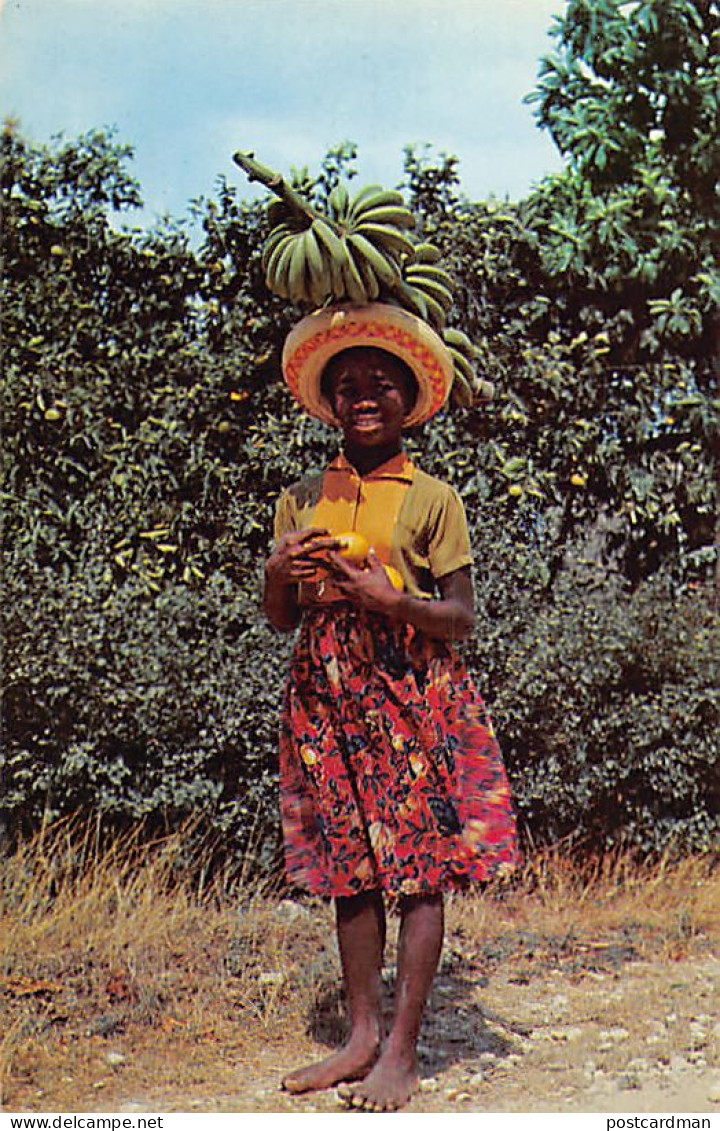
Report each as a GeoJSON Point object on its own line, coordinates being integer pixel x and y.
{"type": "Point", "coordinates": [390, 775]}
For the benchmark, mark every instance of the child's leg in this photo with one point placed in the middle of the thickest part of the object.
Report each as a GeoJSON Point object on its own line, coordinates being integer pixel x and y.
{"type": "Point", "coordinates": [360, 924]}
{"type": "Point", "coordinates": [395, 1075]}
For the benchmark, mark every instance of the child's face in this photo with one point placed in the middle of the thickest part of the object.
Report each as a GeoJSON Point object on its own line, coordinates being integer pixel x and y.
{"type": "Point", "coordinates": [370, 396]}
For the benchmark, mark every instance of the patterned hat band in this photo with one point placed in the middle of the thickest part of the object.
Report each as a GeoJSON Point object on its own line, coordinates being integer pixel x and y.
{"type": "Point", "coordinates": [320, 336]}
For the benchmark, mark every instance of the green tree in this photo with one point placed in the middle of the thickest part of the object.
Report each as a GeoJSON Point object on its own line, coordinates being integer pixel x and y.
{"type": "Point", "coordinates": [147, 436]}
{"type": "Point", "coordinates": [630, 98]}
{"type": "Point", "coordinates": [626, 237]}
{"type": "Point", "coordinates": [125, 532]}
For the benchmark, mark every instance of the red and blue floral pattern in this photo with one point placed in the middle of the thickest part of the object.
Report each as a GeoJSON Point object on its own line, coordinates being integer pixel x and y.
{"type": "Point", "coordinates": [390, 773]}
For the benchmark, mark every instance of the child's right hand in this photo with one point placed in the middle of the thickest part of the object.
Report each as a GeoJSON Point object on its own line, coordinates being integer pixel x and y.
{"type": "Point", "coordinates": [297, 555]}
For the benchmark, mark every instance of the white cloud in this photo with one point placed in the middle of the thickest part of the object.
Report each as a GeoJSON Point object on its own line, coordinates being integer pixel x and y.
{"type": "Point", "coordinates": [188, 81]}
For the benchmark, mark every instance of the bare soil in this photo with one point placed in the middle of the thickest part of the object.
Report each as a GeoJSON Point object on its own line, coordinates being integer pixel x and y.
{"type": "Point", "coordinates": [583, 1012]}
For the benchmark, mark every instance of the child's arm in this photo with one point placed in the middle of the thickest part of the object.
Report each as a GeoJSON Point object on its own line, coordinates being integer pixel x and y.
{"type": "Point", "coordinates": [290, 563]}
{"type": "Point", "coordinates": [450, 617]}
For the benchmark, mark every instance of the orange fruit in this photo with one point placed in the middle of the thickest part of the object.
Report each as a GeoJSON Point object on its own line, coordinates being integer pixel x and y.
{"type": "Point", "coordinates": [353, 546]}
{"type": "Point", "coordinates": [395, 578]}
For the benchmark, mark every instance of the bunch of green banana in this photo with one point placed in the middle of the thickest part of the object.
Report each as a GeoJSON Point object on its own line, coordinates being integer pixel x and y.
{"type": "Point", "coordinates": [428, 287]}
{"type": "Point", "coordinates": [372, 227]}
{"type": "Point", "coordinates": [361, 252]}
{"type": "Point", "coordinates": [376, 223]}
{"type": "Point", "coordinates": [294, 263]}
{"type": "Point", "coordinates": [354, 253]}
{"type": "Point", "coordinates": [467, 388]}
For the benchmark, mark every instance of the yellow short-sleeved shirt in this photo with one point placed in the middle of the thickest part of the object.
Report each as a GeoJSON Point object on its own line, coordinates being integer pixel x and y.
{"type": "Point", "coordinates": [412, 520]}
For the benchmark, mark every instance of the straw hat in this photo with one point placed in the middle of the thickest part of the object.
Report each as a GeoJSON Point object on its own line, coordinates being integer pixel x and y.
{"type": "Point", "coordinates": [319, 336]}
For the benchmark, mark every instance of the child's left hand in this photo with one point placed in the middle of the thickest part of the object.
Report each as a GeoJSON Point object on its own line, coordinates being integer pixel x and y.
{"type": "Point", "coordinates": [369, 585]}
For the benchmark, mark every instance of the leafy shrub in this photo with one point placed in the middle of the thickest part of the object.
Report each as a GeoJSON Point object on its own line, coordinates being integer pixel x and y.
{"type": "Point", "coordinates": [608, 717]}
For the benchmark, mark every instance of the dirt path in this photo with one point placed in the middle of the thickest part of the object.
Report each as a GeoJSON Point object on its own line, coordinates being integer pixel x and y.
{"type": "Point", "coordinates": [534, 1009]}
{"type": "Point", "coordinates": [635, 1036]}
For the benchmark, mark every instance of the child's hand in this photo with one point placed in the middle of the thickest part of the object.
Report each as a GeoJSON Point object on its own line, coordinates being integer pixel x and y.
{"type": "Point", "coordinates": [368, 585]}
{"type": "Point", "coordinates": [298, 555]}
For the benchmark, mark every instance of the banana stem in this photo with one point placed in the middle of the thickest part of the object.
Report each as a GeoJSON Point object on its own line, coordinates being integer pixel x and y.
{"type": "Point", "coordinates": [257, 172]}
{"type": "Point", "coordinates": [254, 170]}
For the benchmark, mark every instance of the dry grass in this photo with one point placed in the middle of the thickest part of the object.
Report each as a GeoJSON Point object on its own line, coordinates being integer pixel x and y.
{"type": "Point", "coordinates": [104, 939]}
{"type": "Point", "coordinates": [666, 903]}
{"type": "Point", "coordinates": [128, 944]}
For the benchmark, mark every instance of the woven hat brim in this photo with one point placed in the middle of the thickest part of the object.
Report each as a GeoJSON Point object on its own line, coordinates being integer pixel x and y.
{"type": "Point", "coordinates": [319, 336]}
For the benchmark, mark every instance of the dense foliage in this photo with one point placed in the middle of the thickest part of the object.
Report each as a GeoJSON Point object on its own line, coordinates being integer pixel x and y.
{"type": "Point", "coordinates": [147, 437]}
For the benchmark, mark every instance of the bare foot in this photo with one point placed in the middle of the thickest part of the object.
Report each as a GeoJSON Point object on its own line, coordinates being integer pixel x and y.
{"type": "Point", "coordinates": [352, 1062]}
{"type": "Point", "coordinates": [387, 1087]}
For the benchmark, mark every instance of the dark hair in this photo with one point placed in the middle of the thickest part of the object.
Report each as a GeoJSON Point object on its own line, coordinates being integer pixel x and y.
{"type": "Point", "coordinates": [401, 367]}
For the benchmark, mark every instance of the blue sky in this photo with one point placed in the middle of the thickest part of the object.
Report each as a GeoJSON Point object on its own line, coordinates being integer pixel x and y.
{"type": "Point", "coordinates": [187, 82]}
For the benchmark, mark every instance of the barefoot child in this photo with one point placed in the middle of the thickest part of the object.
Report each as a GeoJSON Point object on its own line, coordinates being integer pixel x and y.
{"type": "Point", "coordinates": [392, 784]}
